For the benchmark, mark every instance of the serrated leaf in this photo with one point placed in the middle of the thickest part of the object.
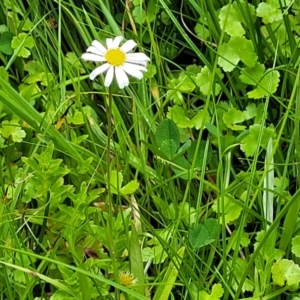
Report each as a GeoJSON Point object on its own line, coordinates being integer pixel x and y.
{"type": "Point", "coordinates": [13, 130]}
{"type": "Point", "coordinates": [231, 18]}
{"type": "Point", "coordinates": [229, 209]}
{"type": "Point", "coordinates": [267, 85]}
{"type": "Point", "coordinates": [252, 75]}
{"type": "Point", "coordinates": [168, 137]}
{"type": "Point", "coordinates": [285, 271]}
{"type": "Point", "coordinates": [201, 31]}
{"type": "Point", "coordinates": [249, 144]}
{"type": "Point", "coordinates": [228, 58]}
{"type": "Point", "coordinates": [205, 79]}
{"type": "Point", "coordinates": [269, 11]}
{"type": "Point", "coordinates": [203, 234]}
{"type": "Point", "coordinates": [21, 44]}
{"type": "Point", "coordinates": [139, 15]}
{"type": "Point", "coordinates": [216, 293]}
{"type": "Point", "coordinates": [244, 240]}
{"type": "Point", "coordinates": [232, 117]}
{"type": "Point", "coordinates": [178, 115]}
{"type": "Point", "coordinates": [296, 246]}
{"type": "Point", "coordinates": [244, 49]}
{"type": "Point", "coordinates": [33, 67]}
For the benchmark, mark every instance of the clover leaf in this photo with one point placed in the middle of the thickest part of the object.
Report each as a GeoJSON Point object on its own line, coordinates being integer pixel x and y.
{"type": "Point", "coordinates": [249, 144]}
{"type": "Point", "coordinates": [204, 80]}
{"type": "Point", "coordinates": [21, 45]}
{"type": "Point", "coordinates": [232, 117]}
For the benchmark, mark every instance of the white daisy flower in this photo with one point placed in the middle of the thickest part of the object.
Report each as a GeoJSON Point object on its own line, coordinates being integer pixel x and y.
{"type": "Point", "coordinates": [117, 61]}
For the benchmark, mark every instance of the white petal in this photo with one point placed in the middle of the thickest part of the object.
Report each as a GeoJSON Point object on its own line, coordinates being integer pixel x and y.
{"type": "Point", "coordinates": [99, 46]}
{"type": "Point", "coordinates": [133, 70]}
{"type": "Point", "coordinates": [137, 56]}
{"type": "Point", "coordinates": [127, 46]}
{"type": "Point", "coordinates": [92, 57]}
{"type": "Point", "coordinates": [137, 67]}
{"type": "Point", "coordinates": [109, 43]}
{"type": "Point", "coordinates": [121, 77]}
{"type": "Point", "coordinates": [94, 50]}
{"type": "Point", "coordinates": [109, 76]}
{"type": "Point", "coordinates": [117, 41]}
{"type": "Point", "coordinates": [133, 61]}
{"type": "Point", "coordinates": [98, 71]}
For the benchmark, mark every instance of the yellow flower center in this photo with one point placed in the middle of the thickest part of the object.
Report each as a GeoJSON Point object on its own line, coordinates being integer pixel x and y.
{"type": "Point", "coordinates": [115, 57]}
{"type": "Point", "coordinates": [126, 279]}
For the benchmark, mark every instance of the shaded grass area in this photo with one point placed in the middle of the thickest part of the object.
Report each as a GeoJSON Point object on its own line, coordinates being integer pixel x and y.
{"type": "Point", "coordinates": [203, 196]}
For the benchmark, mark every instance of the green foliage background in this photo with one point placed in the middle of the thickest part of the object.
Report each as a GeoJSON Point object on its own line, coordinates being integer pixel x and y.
{"type": "Point", "coordinates": [203, 198]}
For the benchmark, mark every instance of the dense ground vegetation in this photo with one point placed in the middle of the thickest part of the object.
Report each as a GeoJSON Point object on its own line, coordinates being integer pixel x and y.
{"type": "Point", "coordinates": [198, 196]}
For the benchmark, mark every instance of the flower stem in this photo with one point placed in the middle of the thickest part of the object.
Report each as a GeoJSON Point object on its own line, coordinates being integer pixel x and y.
{"type": "Point", "coordinates": [109, 202]}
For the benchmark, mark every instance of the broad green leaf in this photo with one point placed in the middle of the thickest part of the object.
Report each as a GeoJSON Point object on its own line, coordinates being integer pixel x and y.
{"type": "Point", "coordinates": [130, 187]}
{"type": "Point", "coordinates": [76, 119]}
{"type": "Point", "coordinates": [168, 137]}
{"type": "Point", "coordinates": [296, 245]}
{"type": "Point", "coordinates": [285, 271]}
{"type": "Point", "coordinates": [139, 15]}
{"type": "Point", "coordinates": [34, 67]}
{"type": "Point", "coordinates": [5, 43]}
{"type": "Point", "coordinates": [252, 75]}
{"type": "Point", "coordinates": [232, 117]}
{"type": "Point", "coordinates": [267, 85]}
{"type": "Point", "coordinates": [232, 15]}
{"type": "Point", "coordinates": [228, 58]}
{"type": "Point", "coordinates": [250, 111]}
{"type": "Point", "coordinates": [228, 210]}
{"type": "Point", "coordinates": [21, 44]}
{"type": "Point", "coordinates": [12, 129]}
{"type": "Point", "coordinates": [249, 144]}
{"type": "Point", "coordinates": [269, 11]}
{"type": "Point", "coordinates": [204, 234]}
{"type": "Point", "coordinates": [61, 295]}
{"type": "Point", "coordinates": [231, 18]}
{"type": "Point", "coordinates": [244, 49]}
{"type": "Point", "coordinates": [116, 180]}
{"type": "Point", "coordinates": [216, 293]}
{"type": "Point", "coordinates": [205, 79]}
